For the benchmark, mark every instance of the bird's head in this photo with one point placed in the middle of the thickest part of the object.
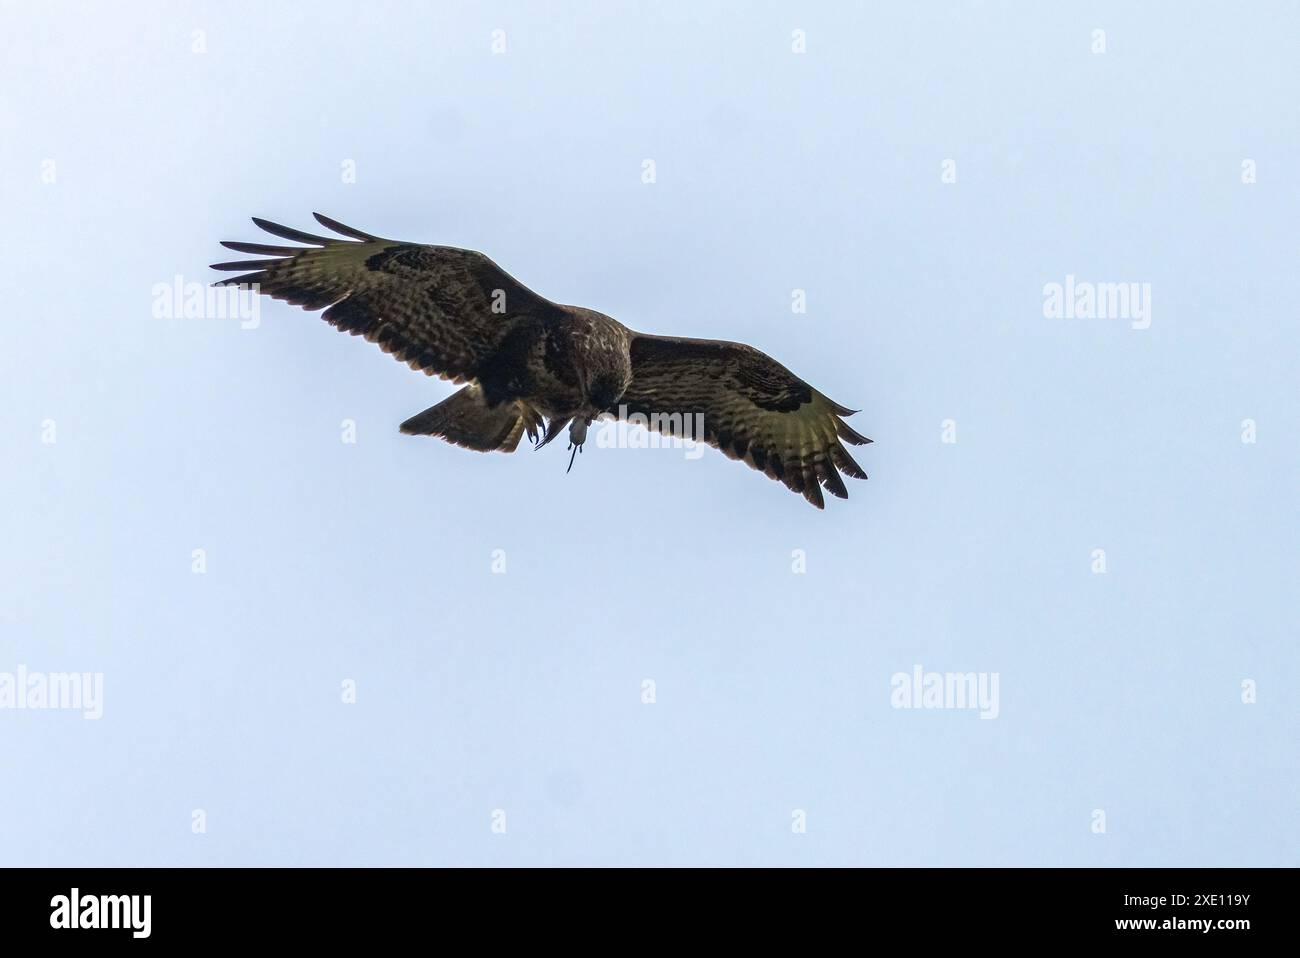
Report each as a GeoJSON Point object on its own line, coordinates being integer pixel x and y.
{"type": "Point", "coordinates": [603, 392]}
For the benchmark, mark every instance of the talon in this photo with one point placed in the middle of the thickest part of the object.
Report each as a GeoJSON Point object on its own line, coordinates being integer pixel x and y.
{"type": "Point", "coordinates": [553, 429]}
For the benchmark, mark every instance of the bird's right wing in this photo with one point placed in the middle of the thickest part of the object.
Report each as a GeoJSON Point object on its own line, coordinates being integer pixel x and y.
{"type": "Point", "coordinates": [437, 308]}
{"type": "Point", "coordinates": [750, 406]}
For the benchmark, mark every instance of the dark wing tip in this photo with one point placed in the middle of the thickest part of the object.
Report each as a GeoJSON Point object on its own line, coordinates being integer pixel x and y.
{"type": "Point", "coordinates": [236, 265]}
{"type": "Point", "coordinates": [841, 410]}
{"type": "Point", "coordinates": [849, 434]}
{"type": "Point", "coordinates": [834, 484]}
{"type": "Point", "coordinates": [260, 249]}
{"type": "Point", "coordinates": [248, 279]}
{"type": "Point", "coordinates": [338, 227]}
{"type": "Point", "coordinates": [286, 232]}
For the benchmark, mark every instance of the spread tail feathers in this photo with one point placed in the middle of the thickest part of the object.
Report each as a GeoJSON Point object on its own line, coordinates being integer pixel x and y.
{"type": "Point", "coordinates": [467, 420]}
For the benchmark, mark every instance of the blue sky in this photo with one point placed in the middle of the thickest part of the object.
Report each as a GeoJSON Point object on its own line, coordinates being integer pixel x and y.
{"type": "Point", "coordinates": [133, 138]}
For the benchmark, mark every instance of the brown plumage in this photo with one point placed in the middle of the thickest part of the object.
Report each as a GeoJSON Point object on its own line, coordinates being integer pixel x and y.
{"type": "Point", "coordinates": [535, 366]}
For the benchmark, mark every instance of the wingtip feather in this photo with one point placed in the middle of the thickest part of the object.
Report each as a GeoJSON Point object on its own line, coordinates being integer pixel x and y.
{"type": "Point", "coordinates": [289, 233]}
{"type": "Point", "coordinates": [849, 434]}
{"type": "Point", "coordinates": [349, 231]}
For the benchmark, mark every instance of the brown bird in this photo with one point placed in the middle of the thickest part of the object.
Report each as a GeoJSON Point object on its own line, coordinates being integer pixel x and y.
{"type": "Point", "coordinates": [534, 366]}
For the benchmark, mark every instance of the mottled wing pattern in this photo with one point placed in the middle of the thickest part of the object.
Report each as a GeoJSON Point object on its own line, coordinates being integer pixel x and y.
{"type": "Point", "coordinates": [437, 308]}
{"type": "Point", "coordinates": [753, 409]}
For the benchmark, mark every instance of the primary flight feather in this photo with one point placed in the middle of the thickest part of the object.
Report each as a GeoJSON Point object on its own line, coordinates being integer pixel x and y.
{"type": "Point", "coordinates": [534, 366]}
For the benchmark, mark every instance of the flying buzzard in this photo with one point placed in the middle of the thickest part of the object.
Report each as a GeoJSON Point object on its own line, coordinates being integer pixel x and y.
{"type": "Point", "coordinates": [535, 366]}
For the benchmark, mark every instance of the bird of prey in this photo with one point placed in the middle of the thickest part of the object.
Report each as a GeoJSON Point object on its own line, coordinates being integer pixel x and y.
{"type": "Point", "coordinates": [536, 366]}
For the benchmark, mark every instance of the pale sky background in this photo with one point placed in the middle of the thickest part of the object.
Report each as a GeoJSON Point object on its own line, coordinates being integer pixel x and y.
{"type": "Point", "coordinates": [372, 561]}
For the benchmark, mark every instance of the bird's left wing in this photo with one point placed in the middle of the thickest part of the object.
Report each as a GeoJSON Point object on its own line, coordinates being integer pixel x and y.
{"type": "Point", "coordinates": [751, 407]}
{"type": "Point", "coordinates": [437, 308]}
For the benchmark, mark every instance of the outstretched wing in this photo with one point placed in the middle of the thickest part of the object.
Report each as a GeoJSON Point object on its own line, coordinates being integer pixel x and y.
{"type": "Point", "coordinates": [437, 308]}
{"type": "Point", "coordinates": [752, 408]}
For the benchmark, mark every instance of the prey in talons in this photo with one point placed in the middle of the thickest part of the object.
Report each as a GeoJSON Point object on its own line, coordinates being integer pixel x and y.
{"type": "Point", "coordinates": [577, 436]}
